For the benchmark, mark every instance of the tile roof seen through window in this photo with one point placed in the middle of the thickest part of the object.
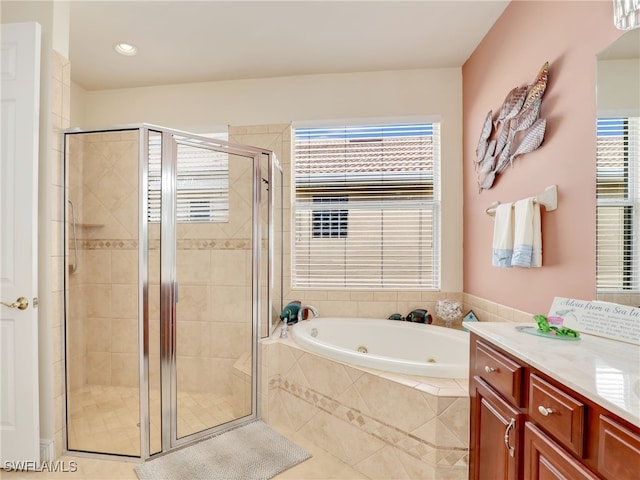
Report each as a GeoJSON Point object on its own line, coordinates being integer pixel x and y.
{"type": "Point", "coordinates": [365, 156]}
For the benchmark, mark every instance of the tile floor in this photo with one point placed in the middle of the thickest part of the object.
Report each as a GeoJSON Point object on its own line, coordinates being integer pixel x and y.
{"type": "Point", "coordinates": [321, 466]}
{"type": "Point", "coordinates": [105, 419]}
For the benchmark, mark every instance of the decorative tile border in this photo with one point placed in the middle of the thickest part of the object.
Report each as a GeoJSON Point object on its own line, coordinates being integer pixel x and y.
{"type": "Point", "coordinates": [412, 445]}
{"type": "Point", "coordinates": [106, 244]}
{"type": "Point", "coordinates": [182, 244]}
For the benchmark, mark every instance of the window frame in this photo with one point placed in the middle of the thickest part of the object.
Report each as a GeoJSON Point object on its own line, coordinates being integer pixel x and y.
{"type": "Point", "coordinates": [395, 183]}
{"type": "Point", "coordinates": [625, 178]}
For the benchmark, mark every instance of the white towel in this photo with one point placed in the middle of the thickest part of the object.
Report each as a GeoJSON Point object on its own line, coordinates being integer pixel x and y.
{"type": "Point", "coordinates": [503, 236]}
{"type": "Point", "coordinates": [527, 238]}
{"type": "Point", "coordinates": [536, 256]}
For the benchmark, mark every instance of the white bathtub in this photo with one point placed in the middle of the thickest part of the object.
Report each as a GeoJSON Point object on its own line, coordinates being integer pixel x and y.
{"type": "Point", "coordinates": [391, 345]}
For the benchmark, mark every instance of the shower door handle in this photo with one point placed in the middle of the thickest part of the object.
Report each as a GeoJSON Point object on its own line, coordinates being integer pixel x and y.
{"type": "Point", "coordinates": [21, 304]}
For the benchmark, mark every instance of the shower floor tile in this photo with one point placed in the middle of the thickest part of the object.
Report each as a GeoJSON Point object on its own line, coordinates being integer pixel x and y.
{"type": "Point", "coordinates": [105, 418]}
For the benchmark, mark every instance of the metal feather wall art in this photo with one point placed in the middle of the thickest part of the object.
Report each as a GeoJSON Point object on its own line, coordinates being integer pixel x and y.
{"type": "Point", "coordinates": [516, 130]}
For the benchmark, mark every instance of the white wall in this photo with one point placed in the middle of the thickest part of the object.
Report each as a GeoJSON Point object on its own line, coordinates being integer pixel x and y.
{"type": "Point", "coordinates": [393, 95]}
{"type": "Point", "coordinates": [53, 18]}
{"type": "Point", "coordinates": [279, 100]}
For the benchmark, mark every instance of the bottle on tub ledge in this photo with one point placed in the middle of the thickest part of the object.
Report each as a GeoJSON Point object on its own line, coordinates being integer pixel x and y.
{"type": "Point", "coordinates": [290, 312]}
{"type": "Point", "coordinates": [289, 316]}
{"type": "Point", "coordinates": [419, 315]}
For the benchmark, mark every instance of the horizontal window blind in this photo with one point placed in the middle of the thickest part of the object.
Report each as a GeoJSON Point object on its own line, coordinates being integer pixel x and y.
{"type": "Point", "coordinates": [618, 205]}
{"type": "Point", "coordinates": [366, 208]}
{"type": "Point", "coordinates": [202, 183]}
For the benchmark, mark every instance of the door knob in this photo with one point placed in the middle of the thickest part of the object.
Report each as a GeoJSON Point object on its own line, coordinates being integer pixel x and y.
{"type": "Point", "coordinates": [21, 304]}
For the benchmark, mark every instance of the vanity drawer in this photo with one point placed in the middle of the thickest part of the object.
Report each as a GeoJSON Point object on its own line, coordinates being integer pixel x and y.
{"type": "Point", "coordinates": [499, 371]}
{"type": "Point", "coordinates": [618, 451]}
{"type": "Point", "coordinates": [558, 413]}
{"type": "Point", "coordinates": [545, 459]}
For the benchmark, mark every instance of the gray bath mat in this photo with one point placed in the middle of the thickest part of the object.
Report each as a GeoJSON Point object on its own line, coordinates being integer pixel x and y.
{"type": "Point", "coordinates": [250, 452]}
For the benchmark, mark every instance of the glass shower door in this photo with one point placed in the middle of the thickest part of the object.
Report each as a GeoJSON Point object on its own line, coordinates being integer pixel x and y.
{"type": "Point", "coordinates": [101, 304]}
{"type": "Point", "coordinates": [169, 268]}
{"type": "Point", "coordinates": [213, 296]}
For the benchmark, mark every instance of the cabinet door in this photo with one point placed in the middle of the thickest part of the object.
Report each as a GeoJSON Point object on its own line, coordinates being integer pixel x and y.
{"type": "Point", "coordinates": [496, 435]}
{"type": "Point", "coordinates": [618, 451]}
{"type": "Point", "coordinates": [545, 460]}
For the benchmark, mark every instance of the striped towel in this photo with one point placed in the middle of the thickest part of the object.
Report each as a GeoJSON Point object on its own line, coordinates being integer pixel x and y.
{"type": "Point", "coordinates": [527, 238]}
{"type": "Point", "coordinates": [503, 236]}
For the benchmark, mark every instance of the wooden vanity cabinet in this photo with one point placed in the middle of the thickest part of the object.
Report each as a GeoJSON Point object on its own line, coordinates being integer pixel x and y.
{"type": "Point", "coordinates": [527, 425]}
{"type": "Point", "coordinates": [497, 430]}
{"type": "Point", "coordinates": [618, 450]}
{"type": "Point", "coordinates": [544, 459]}
{"type": "Point", "coordinates": [497, 404]}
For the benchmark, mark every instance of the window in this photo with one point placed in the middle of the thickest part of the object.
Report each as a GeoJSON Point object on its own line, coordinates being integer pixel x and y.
{"type": "Point", "coordinates": [366, 207]}
{"type": "Point", "coordinates": [202, 183]}
{"type": "Point", "coordinates": [618, 205]}
{"type": "Point", "coordinates": [329, 223]}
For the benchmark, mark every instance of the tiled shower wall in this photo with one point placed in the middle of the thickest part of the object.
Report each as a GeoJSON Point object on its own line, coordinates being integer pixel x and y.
{"type": "Point", "coordinates": [102, 320]}
{"type": "Point", "coordinates": [61, 102]}
{"type": "Point", "coordinates": [276, 138]}
{"type": "Point", "coordinates": [212, 310]}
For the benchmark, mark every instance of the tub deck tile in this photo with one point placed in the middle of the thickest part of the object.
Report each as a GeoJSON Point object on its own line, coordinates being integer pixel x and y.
{"type": "Point", "coordinates": [358, 421]}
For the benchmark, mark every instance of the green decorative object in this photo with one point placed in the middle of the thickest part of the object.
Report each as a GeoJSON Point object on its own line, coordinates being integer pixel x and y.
{"type": "Point", "coordinates": [544, 327]}
{"type": "Point", "coordinates": [543, 324]}
{"type": "Point", "coordinates": [290, 312]}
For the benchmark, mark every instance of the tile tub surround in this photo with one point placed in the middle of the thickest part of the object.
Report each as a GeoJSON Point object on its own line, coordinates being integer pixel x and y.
{"type": "Point", "coordinates": [604, 371]}
{"type": "Point", "coordinates": [384, 425]}
{"type": "Point", "coordinates": [488, 311]}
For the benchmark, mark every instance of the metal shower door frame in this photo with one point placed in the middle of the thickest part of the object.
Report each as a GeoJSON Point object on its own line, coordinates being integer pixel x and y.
{"type": "Point", "coordinates": [169, 438]}
{"type": "Point", "coordinates": [168, 284]}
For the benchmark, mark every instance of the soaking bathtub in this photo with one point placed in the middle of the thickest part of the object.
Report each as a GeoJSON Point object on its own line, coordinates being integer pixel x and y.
{"type": "Point", "coordinates": [393, 346]}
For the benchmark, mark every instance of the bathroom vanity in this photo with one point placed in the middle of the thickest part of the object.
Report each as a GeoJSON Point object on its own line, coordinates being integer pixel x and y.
{"type": "Point", "coordinates": [544, 408]}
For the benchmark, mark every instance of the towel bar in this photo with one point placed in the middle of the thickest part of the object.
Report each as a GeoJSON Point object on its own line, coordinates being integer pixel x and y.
{"type": "Point", "coordinates": [548, 199]}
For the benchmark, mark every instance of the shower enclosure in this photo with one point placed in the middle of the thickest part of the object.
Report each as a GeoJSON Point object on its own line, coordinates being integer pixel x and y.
{"type": "Point", "coordinates": [173, 248]}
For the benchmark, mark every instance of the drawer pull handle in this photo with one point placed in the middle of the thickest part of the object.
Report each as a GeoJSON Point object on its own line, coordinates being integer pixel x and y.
{"type": "Point", "coordinates": [544, 411]}
{"type": "Point", "coordinates": [511, 450]}
{"type": "Point", "coordinates": [489, 369]}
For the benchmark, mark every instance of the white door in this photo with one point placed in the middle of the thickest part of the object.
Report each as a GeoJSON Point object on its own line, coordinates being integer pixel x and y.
{"type": "Point", "coordinates": [20, 71]}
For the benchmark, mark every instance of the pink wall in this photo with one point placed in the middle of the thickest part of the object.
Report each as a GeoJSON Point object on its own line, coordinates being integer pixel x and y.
{"type": "Point", "coordinates": [568, 34]}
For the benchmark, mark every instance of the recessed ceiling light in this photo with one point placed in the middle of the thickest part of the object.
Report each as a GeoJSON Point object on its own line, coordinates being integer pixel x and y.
{"type": "Point", "coordinates": [126, 49]}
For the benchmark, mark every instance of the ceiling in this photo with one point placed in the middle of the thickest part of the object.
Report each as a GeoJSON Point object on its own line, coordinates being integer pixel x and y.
{"type": "Point", "coordinates": [624, 48]}
{"type": "Point", "coordinates": [196, 41]}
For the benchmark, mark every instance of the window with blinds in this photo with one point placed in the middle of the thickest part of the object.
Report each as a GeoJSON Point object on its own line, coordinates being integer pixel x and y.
{"type": "Point", "coordinates": [202, 183]}
{"type": "Point", "coordinates": [618, 205]}
{"type": "Point", "coordinates": [366, 207]}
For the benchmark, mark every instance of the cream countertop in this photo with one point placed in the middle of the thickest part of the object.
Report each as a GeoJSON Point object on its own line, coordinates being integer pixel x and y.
{"type": "Point", "coordinates": [604, 371]}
